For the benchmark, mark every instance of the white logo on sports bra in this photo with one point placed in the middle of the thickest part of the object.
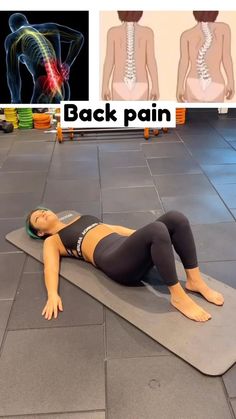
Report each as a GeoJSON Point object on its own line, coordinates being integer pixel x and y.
{"type": "Point", "coordinates": [80, 239]}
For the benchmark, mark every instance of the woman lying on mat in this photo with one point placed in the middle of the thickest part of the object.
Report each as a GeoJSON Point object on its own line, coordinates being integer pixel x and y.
{"type": "Point", "coordinates": [124, 255]}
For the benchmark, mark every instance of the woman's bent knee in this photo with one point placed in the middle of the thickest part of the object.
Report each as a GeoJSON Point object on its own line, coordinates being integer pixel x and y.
{"type": "Point", "coordinates": [177, 217]}
{"type": "Point", "coordinates": [160, 232]}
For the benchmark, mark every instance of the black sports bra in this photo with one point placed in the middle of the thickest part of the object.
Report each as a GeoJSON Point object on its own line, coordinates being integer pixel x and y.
{"type": "Point", "coordinates": [72, 236]}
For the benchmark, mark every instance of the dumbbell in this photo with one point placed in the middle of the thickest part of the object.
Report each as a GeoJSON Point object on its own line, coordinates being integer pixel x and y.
{"type": "Point", "coordinates": [6, 126]}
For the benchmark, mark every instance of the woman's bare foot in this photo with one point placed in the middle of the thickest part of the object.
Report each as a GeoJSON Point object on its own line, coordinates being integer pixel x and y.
{"type": "Point", "coordinates": [183, 303]}
{"type": "Point", "coordinates": [195, 283]}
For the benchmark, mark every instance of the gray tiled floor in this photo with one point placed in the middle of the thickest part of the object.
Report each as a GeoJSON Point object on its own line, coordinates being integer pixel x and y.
{"type": "Point", "coordinates": [180, 185]}
{"type": "Point", "coordinates": [233, 210]}
{"type": "Point", "coordinates": [220, 174]}
{"type": "Point", "coordinates": [90, 363]}
{"type": "Point", "coordinates": [17, 204]}
{"type": "Point", "coordinates": [122, 158]}
{"type": "Point", "coordinates": [214, 156]}
{"type": "Point", "coordinates": [204, 141]}
{"type": "Point", "coordinates": [228, 193]}
{"type": "Point", "coordinates": [37, 148]}
{"type": "Point", "coordinates": [73, 170]}
{"type": "Point", "coordinates": [6, 226]}
{"type": "Point", "coordinates": [222, 235]}
{"type": "Point", "coordinates": [137, 344]}
{"type": "Point", "coordinates": [164, 150]}
{"type": "Point", "coordinates": [200, 209]}
{"type": "Point", "coordinates": [233, 403]}
{"type": "Point", "coordinates": [82, 206]}
{"type": "Point", "coordinates": [21, 182]}
{"type": "Point", "coordinates": [166, 385]}
{"type": "Point", "coordinates": [233, 144]}
{"type": "Point", "coordinates": [129, 176]}
{"type": "Point", "coordinates": [32, 265]}
{"type": "Point", "coordinates": [132, 219]}
{"type": "Point", "coordinates": [130, 199]}
{"type": "Point", "coordinates": [63, 352]}
{"type": "Point", "coordinates": [5, 308]}
{"type": "Point", "coordinates": [71, 190]}
{"type": "Point", "coordinates": [35, 163]}
{"type": "Point", "coordinates": [222, 271]}
{"type": "Point", "coordinates": [11, 267]}
{"type": "Point", "coordinates": [171, 165]}
{"type": "Point", "coordinates": [229, 381]}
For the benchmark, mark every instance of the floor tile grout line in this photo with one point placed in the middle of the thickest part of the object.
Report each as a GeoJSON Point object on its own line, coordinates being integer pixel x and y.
{"type": "Point", "coordinates": [50, 162]}
{"type": "Point", "coordinates": [6, 299]}
{"type": "Point", "coordinates": [53, 413]}
{"type": "Point", "coordinates": [8, 152]}
{"type": "Point", "coordinates": [224, 388]}
{"type": "Point", "coordinates": [158, 196]}
{"type": "Point", "coordinates": [11, 309]}
{"type": "Point", "coordinates": [55, 327]}
{"type": "Point", "coordinates": [128, 187]}
{"type": "Point", "coordinates": [21, 171]}
{"type": "Point", "coordinates": [13, 252]}
{"type": "Point", "coordinates": [10, 218]}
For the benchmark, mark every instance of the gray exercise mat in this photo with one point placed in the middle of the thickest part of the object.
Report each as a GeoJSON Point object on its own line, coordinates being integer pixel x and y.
{"type": "Point", "coordinates": [210, 347]}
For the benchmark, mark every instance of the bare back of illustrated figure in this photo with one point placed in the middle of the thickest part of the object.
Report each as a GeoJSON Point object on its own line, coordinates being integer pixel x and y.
{"type": "Point", "coordinates": [204, 48]}
{"type": "Point", "coordinates": [129, 59]}
{"type": "Point", "coordinates": [38, 47]}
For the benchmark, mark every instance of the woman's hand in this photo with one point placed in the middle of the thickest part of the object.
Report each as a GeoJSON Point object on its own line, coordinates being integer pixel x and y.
{"type": "Point", "coordinates": [229, 91]}
{"type": "Point", "coordinates": [154, 94]}
{"type": "Point", "coordinates": [54, 302]}
{"type": "Point", "coordinates": [180, 95]}
{"type": "Point", "coordinates": [106, 94]}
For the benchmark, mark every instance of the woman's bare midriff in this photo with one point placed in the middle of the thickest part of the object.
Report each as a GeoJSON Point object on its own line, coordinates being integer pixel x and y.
{"type": "Point", "coordinates": [92, 238]}
{"type": "Point", "coordinates": [90, 241]}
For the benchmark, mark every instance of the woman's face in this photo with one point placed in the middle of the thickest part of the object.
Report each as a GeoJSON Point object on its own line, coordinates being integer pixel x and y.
{"type": "Point", "coordinates": [43, 219]}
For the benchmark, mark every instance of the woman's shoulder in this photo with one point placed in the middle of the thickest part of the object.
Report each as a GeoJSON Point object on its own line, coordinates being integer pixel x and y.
{"type": "Point", "coordinates": [54, 242]}
{"type": "Point", "coordinates": [222, 26]}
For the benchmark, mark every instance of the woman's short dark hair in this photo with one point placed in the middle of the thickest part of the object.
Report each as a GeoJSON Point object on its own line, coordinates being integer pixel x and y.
{"type": "Point", "coordinates": [130, 16]}
{"type": "Point", "coordinates": [30, 229]}
{"type": "Point", "coordinates": [204, 16]}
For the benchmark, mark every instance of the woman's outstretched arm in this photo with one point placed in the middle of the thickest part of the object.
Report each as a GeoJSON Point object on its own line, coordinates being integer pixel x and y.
{"type": "Point", "coordinates": [152, 65]}
{"type": "Point", "coordinates": [51, 258]}
{"type": "Point", "coordinates": [183, 66]}
{"type": "Point", "coordinates": [109, 63]}
{"type": "Point", "coordinates": [227, 61]}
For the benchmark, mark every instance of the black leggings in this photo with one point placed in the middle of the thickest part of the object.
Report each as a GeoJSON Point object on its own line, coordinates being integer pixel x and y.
{"type": "Point", "coordinates": [127, 259]}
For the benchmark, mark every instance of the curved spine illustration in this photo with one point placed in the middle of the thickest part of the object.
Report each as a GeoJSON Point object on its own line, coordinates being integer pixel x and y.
{"type": "Point", "coordinates": [43, 54]}
{"type": "Point", "coordinates": [203, 71]}
{"type": "Point", "coordinates": [38, 47]}
{"type": "Point", "coordinates": [130, 69]}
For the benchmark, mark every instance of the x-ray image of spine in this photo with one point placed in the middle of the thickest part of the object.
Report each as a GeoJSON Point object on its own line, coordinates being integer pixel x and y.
{"type": "Point", "coordinates": [203, 49]}
{"type": "Point", "coordinates": [38, 47]}
{"type": "Point", "coordinates": [130, 58]}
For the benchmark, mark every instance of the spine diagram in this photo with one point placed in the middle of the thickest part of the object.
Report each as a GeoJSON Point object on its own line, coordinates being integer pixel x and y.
{"type": "Point", "coordinates": [43, 54]}
{"type": "Point", "coordinates": [130, 70]}
{"type": "Point", "coordinates": [202, 69]}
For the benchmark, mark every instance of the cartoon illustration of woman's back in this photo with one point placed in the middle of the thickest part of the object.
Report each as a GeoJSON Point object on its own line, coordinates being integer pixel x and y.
{"type": "Point", "coordinates": [204, 48]}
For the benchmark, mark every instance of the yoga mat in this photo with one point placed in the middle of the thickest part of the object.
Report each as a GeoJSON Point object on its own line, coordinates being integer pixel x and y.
{"type": "Point", "coordinates": [210, 347]}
